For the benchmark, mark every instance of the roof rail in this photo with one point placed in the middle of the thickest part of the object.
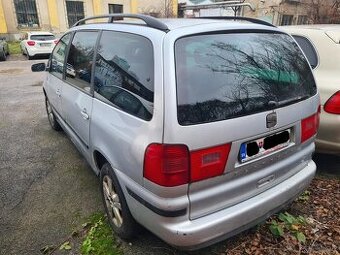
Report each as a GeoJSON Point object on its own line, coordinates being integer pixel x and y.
{"type": "Point", "coordinates": [252, 20]}
{"type": "Point", "coordinates": [149, 21]}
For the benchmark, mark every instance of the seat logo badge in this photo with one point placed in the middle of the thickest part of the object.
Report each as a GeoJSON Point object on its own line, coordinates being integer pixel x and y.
{"type": "Point", "coordinates": [271, 120]}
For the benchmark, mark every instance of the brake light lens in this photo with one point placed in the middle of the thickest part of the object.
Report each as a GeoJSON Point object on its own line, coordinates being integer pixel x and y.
{"type": "Point", "coordinates": [173, 165]}
{"type": "Point", "coordinates": [309, 126]}
{"type": "Point", "coordinates": [167, 165]}
{"type": "Point", "coordinates": [209, 162]}
{"type": "Point", "coordinates": [56, 41]}
{"type": "Point", "coordinates": [31, 43]}
{"type": "Point", "coordinates": [333, 104]}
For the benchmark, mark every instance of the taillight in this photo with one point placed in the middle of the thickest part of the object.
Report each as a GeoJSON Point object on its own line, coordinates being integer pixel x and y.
{"type": "Point", "coordinates": [31, 43]}
{"type": "Point", "coordinates": [56, 41]}
{"type": "Point", "coordinates": [167, 165]}
{"type": "Point", "coordinates": [208, 162]}
{"type": "Point", "coordinates": [173, 165]}
{"type": "Point", "coordinates": [333, 104]}
{"type": "Point", "coordinates": [309, 126]}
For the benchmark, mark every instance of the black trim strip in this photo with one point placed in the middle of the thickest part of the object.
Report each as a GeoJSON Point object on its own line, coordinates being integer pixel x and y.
{"type": "Point", "coordinates": [160, 212]}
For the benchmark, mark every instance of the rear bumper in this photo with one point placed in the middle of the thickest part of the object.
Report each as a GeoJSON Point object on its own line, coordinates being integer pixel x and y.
{"type": "Point", "coordinates": [37, 52]}
{"type": "Point", "coordinates": [194, 234]}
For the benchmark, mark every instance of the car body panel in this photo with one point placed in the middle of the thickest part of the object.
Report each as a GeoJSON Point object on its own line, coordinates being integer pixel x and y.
{"type": "Point", "coordinates": [196, 214]}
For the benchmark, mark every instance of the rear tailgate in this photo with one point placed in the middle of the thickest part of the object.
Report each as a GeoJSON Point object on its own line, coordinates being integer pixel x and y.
{"type": "Point", "coordinates": [248, 91]}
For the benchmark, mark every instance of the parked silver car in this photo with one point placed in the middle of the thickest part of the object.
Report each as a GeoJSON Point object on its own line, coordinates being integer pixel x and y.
{"type": "Point", "coordinates": [4, 50]}
{"type": "Point", "coordinates": [198, 128]}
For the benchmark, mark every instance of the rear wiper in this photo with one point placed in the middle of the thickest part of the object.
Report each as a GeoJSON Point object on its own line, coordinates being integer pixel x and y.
{"type": "Point", "coordinates": [285, 102]}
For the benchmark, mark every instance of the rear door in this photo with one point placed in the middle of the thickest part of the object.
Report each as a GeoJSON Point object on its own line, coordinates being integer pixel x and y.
{"type": "Point", "coordinates": [77, 95]}
{"type": "Point", "coordinates": [240, 98]}
{"type": "Point", "coordinates": [54, 80]}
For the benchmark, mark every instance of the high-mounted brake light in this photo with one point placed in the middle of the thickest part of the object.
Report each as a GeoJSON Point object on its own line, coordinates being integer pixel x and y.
{"type": "Point", "coordinates": [31, 43]}
{"type": "Point", "coordinates": [333, 104]}
{"type": "Point", "coordinates": [310, 125]}
{"type": "Point", "coordinates": [173, 165]}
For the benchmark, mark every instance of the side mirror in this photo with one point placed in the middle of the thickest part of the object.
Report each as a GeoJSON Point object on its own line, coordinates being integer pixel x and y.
{"type": "Point", "coordinates": [40, 67]}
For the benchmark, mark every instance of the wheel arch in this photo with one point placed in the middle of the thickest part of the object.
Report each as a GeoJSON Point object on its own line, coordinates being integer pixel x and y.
{"type": "Point", "coordinates": [99, 160]}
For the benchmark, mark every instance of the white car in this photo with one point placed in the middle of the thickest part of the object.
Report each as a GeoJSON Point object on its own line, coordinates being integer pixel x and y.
{"type": "Point", "coordinates": [321, 45]}
{"type": "Point", "coordinates": [37, 44]}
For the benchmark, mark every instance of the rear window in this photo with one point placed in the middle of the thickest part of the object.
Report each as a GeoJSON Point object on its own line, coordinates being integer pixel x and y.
{"type": "Point", "coordinates": [43, 37]}
{"type": "Point", "coordinates": [223, 76]}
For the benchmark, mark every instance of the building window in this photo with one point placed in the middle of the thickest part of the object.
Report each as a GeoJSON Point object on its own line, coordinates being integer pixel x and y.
{"type": "Point", "coordinates": [115, 8]}
{"type": "Point", "coordinates": [27, 14]}
{"type": "Point", "coordinates": [287, 20]}
{"type": "Point", "coordinates": [75, 11]}
{"type": "Point", "coordinates": [302, 19]}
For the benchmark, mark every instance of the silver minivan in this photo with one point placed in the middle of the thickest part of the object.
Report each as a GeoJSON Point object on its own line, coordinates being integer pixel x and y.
{"type": "Point", "coordinates": [198, 128]}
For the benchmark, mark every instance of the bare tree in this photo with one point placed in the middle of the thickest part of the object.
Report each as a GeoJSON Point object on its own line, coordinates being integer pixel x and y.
{"type": "Point", "coordinates": [324, 11]}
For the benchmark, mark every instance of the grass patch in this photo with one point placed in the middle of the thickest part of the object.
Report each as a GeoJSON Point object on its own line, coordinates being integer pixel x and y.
{"type": "Point", "coordinates": [14, 47]}
{"type": "Point", "coordinates": [99, 239]}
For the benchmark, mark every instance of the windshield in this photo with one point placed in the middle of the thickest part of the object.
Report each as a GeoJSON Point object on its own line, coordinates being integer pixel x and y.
{"type": "Point", "coordinates": [222, 76]}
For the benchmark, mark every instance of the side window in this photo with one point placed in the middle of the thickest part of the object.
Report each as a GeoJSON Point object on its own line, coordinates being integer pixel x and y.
{"type": "Point", "coordinates": [124, 73]}
{"type": "Point", "coordinates": [308, 49]}
{"type": "Point", "coordinates": [58, 56]}
{"type": "Point", "coordinates": [80, 58]}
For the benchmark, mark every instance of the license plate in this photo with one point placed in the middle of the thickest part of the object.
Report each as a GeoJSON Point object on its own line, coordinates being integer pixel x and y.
{"type": "Point", "coordinates": [45, 44]}
{"type": "Point", "coordinates": [263, 146]}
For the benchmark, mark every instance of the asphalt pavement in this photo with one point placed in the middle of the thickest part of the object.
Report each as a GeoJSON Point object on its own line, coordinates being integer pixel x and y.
{"type": "Point", "coordinates": [46, 187]}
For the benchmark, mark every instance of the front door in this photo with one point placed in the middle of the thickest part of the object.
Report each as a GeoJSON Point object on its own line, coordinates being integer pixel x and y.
{"type": "Point", "coordinates": [76, 94]}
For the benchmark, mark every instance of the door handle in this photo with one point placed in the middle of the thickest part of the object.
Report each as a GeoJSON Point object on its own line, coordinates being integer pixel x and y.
{"type": "Point", "coordinates": [84, 114]}
{"type": "Point", "coordinates": [58, 93]}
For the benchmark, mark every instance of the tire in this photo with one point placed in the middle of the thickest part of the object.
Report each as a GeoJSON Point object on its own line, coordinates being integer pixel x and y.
{"type": "Point", "coordinates": [117, 211]}
{"type": "Point", "coordinates": [2, 55]}
{"type": "Point", "coordinates": [51, 117]}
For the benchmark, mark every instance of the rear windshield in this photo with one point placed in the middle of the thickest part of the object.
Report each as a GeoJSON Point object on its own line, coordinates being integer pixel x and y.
{"type": "Point", "coordinates": [42, 37]}
{"type": "Point", "coordinates": [223, 76]}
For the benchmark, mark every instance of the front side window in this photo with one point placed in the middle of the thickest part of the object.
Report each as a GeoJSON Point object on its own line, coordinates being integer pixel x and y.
{"type": "Point", "coordinates": [124, 73]}
{"type": "Point", "coordinates": [26, 11]}
{"type": "Point", "coordinates": [223, 76]}
{"type": "Point", "coordinates": [75, 11]}
{"type": "Point", "coordinates": [80, 58]}
{"type": "Point", "coordinates": [58, 56]}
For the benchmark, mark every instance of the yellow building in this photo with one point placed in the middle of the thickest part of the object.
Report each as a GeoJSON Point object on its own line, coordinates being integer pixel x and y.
{"type": "Point", "coordinates": [56, 16]}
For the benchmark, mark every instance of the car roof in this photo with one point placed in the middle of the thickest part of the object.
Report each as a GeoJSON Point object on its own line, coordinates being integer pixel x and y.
{"type": "Point", "coordinates": [331, 30]}
{"type": "Point", "coordinates": [322, 27]}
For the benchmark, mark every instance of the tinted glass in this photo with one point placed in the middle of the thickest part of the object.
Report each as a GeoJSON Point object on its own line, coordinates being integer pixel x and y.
{"type": "Point", "coordinates": [80, 58]}
{"type": "Point", "coordinates": [124, 73]}
{"type": "Point", "coordinates": [308, 49]}
{"type": "Point", "coordinates": [58, 56]}
{"type": "Point", "coordinates": [222, 76]}
{"type": "Point", "coordinates": [42, 37]}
